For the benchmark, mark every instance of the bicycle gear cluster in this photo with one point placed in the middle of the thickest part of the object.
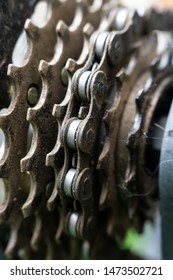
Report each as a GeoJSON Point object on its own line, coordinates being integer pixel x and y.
{"type": "Point", "coordinates": [90, 94]}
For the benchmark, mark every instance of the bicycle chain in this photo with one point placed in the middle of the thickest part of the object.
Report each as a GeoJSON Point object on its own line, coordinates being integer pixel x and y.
{"type": "Point", "coordinates": [94, 173]}
{"type": "Point", "coordinates": [53, 92]}
{"type": "Point", "coordinates": [80, 133]}
{"type": "Point", "coordinates": [35, 160]}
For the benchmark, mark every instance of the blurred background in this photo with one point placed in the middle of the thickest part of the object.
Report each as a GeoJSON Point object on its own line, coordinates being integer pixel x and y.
{"type": "Point", "coordinates": [148, 3]}
{"type": "Point", "coordinates": [148, 244]}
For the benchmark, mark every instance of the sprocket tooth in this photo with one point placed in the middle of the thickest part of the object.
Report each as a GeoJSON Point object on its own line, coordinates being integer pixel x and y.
{"type": "Point", "coordinates": [32, 115]}
{"type": "Point", "coordinates": [52, 201]}
{"type": "Point", "coordinates": [38, 185]}
{"type": "Point", "coordinates": [107, 117]}
{"type": "Point", "coordinates": [29, 206]}
{"type": "Point", "coordinates": [62, 29]}
{"type": "Point", "coordinates": [13, 72]}
{"type": "Point", "coordinates": [52, 82]}
{"type": "Point", "coordinates": [133, 137]}
{"type": "Point", "coordinates": [5, 123]}
{"type": "Point", "coordinates": [102, 164]}
{"type": "Point", "coordinates": [55, 157]}
{"type": "Point", "coordinates": [122, 76]}
{"type": "Point", "coordinates": [147, 85]}
{"type": "Point", "coordinates": [45, 69]}
{"type": "Point", "coordinates": [31, 29]}
{"type": "Point", "coordinates": [59, 110]}
{"type": "Point", "coordinates": [55, 160]}
{"type": "Point", "coordinates": [71, 65]}
{"type": "Point", "coordinates": [139, 99]}
{"type": "Point", "coordinates": [88, 30]}
{"type": "Point", "coordinates": [36, 233]}
{"type": "Point", "coordinates": [12, 19]}
{"type": "Point", "coordinates": [50, 159]}
{"type": "Point", "coordinates": [104, 157]}
{"type": "Point", "coordinates": [25, 164]}
{"type": "Point", "coordinates": [58, 160]}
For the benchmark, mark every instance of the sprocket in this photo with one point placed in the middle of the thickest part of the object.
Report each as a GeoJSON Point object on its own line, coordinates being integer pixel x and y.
{"type": "Point", "coordinates": [90, 88]}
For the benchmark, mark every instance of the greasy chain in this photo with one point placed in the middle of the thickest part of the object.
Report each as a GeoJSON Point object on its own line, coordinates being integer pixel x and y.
{"type": "Point", "coordinates": [88, 88]}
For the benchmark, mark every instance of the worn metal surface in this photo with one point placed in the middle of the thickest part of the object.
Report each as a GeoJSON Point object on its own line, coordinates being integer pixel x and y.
{"type": "Point", "coordinates": [13, 16]}
{"type": "Point", "coordinates": [91, 99]}
{"type": "Point", "coordinates": [14, 123]}
{"type": "Point", "coordinates": [69, 44]}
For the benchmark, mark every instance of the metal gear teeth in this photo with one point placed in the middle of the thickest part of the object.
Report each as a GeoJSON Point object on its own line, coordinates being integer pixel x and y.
{"type": "Point", "coordinates": [61, 10]}
{"type": "Point", "coordinates": [62, 100]}
{"type": "Point", "coordinates": [13, 122]}
{"type": "Point", "coordinates": [160, 68]}
{"type": "Point", "coordinates": [9, 35]}
{"type": "Point", "coordinates": [110, 197]}
{"type": "Point", "coordinates": [41, 114]}
{"type": "Point", "coordinates": [43, 237]}
{"type": "Point", "coordinates": [18, 241]}
{"type": "Point", "coordinates": [81, 226]}
{"type": "Point", "coordinates": [66, 151]}
{"type": "Point", "coordinates": [54, 158]}
{"type": "Point", "coordinates": [87, 84]}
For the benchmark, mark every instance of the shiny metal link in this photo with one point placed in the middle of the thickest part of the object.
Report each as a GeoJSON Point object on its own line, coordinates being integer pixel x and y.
{"type": "Point", "coordinates": [82, 85]}
{"type": "Point", "coordinates": [71, 133]}
{"type": "Point", "coordinates": [72, 130]}
{"type": "Point", "coordinates": [73, 219]}
{"type": "Point", "coordinates": [68, 182]}
{"type": "Point", "coordinates": [90, 84]}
